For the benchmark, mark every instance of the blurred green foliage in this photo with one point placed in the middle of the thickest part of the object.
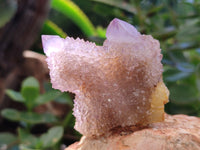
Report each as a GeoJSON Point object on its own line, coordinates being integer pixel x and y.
{"type": "Point", "coordinates": [175, 23]}
{"type": "Point", "coordinates": [30, 97]}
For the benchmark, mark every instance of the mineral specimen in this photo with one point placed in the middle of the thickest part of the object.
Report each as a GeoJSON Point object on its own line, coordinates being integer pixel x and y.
{"type": "Point", "coordinates": [118, 84]}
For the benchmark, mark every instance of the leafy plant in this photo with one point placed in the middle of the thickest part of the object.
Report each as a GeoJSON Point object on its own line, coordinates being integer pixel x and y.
{"type": "Point", "coordinates": [45, 141]}
{"type": "Point", "coordinates": [30, 97]}
{"type": "Point", "coordinates": [71, 10]}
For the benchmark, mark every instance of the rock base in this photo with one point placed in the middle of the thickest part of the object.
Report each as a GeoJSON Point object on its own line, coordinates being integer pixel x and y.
{"type": "Point", "coordinates": [178, 132]}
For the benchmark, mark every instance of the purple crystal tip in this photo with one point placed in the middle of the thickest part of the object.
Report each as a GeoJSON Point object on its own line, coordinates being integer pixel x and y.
{"type": "Point", "coordinates": [52, 43]}
{"type": "Point", "coordinates": [121, 31]}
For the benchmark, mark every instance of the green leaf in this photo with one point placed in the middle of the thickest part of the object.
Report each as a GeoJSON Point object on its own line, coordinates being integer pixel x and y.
{"type": "Point", "coordinates": [173, 75]}
{"type": "Point", "coordinates": [180, 109]}
{"type": "Point", "coordinates": [198, 77]}
{"type": "Point", "coordinates": [119, 4]}
{"type": "Point", "coordinates": [52, 136]}
{"type": "Point", "coordinates": [30, 91]}
{"type": "Point", "coordinates": [7, 138]}
{"type": "Point", "coordinates": [25, 147]}
{"type": "Point", "coordinates": [30, 82]}
{"type": "Point", "coordinates": [65, 98]}
{"type": "Point", "coordinates": [101, 32]}
{"type": "Point", "coordinates": [183, 93]}
{"type": "Point", "coordinates": [154, 10]}
{"type": "Point", "coordinates": [62, 97]}
{"type": "Point", "coordinates": [51, 28]}
{"type": "Point", "coordinates": [27, 139]}
{"type": "Point", "coordinates": [177, 76]}
{"type": "Point", "coordinates": [185, 67]}
{"type": "Point", "coordinates": [67, 119]}
{"type": "Point", "coordinates": [34, 118]}
{"type": "Point", "coordinates": [47, 97]}
{"type": "Point", "coordinates": [184, 46]}
{"type": "Point", "coordinates": [71, 10]}
{"type": "Point", "coordinates": [11, 114]}
{"type": "Point", "coordinates": [16, 96]}
{"type": "Point", "coordinates": [30, 94]}
{"type": "Point", "coordinates": [48, 86]}
{"type": "Point", "coordinates": [28, 117]}
{"type": "Point", "coordinates": [190, 28]}
{"type": "Point", "coordinates": [165, 34]}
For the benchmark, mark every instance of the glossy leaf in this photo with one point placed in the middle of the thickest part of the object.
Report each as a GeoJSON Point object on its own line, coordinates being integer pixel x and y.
{"type": "Point", "coordinates": [30, 82]}
{"type": "Point", "coordinates": [52, 136]}
{"type": "Point", "coordinates": [65, 98]}
{"type": "Point", "coordinates": [177, 76]}
{"type": "Point", "coordinates": [7, 138]}
{"type": "Point", "coordinates": [71, 10]}
{"type": "Point", "coordinates": [180, 109]}
{"type": "Point", "coordinates": [60, 97]}
{"type": "Point", "coordinates": [11, 114]}
{"type": "Point", "coordinates": [25, 147]}
{"type": "Point", "coordinates": [101, 32]}
{"type": "Point", "coordinates": [34, 118]}
{"type": "Point", "coordinates": [185, 67]}
{"type": "Point", "coordinates": [198, 78]}
{"type": "Point", "coordinates": [183, 93]}
{"type": "Point", "coordinates": [119, 4]}
{"type": "Point", "coordinates": [173, 74]}
{"type": "Point", "coordinates": [47, 97]}
{"type": "Point", "coordinates": [165, 34]}
{"type": "Point", "coordinates": [183, 46]}
{"type": "Point", "coordinates": [28, 117]}
{"type": "Point", "coordinates": [67, 119]}
{"type": "Point", "coordinates": [51, 28]}
{"type": "Point", "coordinates": [27, 140]}
{"type": "Point", "coordinates": [189, 28]}
{"type": "Point", "coordinates": [30, 91]}
{"type": "Point", "coordinates": [16, 96]}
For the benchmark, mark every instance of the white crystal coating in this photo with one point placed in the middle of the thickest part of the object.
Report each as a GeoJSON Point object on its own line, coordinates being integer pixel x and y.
{"type": "Point", "coordinates": [112, 83]}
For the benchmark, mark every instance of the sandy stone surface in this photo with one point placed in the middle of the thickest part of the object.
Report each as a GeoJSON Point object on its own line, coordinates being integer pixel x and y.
{"type": "Point", "coordinates": [178, 132]}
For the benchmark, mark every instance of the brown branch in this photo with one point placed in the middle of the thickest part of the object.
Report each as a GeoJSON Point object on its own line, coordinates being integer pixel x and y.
{"type": "Point", "coordinates": [16, 36]}
{"type": "Point", "coordinates": [20, 33]}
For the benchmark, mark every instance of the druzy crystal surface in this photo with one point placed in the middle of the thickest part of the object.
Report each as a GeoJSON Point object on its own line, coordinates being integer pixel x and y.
{"type": "Point", "coordinates": [113, 83]}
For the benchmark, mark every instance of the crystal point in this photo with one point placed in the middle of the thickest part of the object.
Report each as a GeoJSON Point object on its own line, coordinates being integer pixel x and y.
{"type": "Point", "coordinates": [121, 31]}
{"type": "Point", "coordinates": [51, 43]}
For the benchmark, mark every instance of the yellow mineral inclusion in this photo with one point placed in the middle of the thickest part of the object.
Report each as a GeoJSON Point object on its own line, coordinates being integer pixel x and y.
{"type": "Point", "coordinates": [159, 97]}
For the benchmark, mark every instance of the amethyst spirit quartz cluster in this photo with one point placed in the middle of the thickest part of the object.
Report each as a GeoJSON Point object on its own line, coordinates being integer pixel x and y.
{"type": "Point", "coordinates": [117, 85]}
